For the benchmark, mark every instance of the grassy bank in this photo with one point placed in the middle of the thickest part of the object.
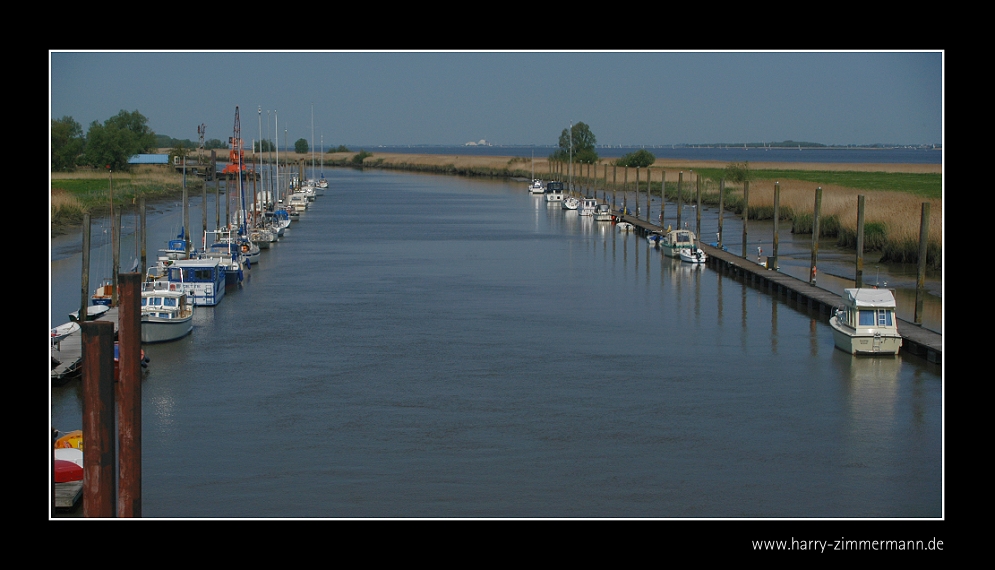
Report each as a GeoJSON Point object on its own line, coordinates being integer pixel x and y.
{"type": "Point", "coordinates": [75, 193]}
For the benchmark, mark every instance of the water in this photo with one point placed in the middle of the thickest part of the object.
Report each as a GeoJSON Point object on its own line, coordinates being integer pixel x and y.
{"type": "Point", "coordinates": [427, 346]}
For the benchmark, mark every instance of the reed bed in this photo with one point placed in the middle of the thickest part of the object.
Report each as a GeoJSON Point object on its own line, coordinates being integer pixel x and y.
{"type": "Point", "coordinates": [891, 219]}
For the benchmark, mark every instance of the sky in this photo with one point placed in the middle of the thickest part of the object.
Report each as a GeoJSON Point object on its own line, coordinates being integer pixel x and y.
{"type": "Point", "coordinates": [512, 97]}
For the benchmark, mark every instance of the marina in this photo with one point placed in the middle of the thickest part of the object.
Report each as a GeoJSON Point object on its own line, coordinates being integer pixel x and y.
{"type": "Point", "coordinates": [413, 383]}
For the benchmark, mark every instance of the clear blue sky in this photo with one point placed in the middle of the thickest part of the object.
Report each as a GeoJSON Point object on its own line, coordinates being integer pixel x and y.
{"type": "Point", "coordinates": [449, 98]}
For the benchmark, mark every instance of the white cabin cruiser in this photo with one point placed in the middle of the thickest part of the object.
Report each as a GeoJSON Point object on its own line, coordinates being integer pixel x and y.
{"type": "Point", "coordinates": [866, 323]}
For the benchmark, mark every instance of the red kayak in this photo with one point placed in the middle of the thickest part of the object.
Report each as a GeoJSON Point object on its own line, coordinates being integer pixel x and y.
{"type": "Point", "coordinates": [66, 471]}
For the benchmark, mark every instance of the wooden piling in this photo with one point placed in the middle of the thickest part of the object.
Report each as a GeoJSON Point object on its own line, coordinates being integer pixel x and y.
{"type": "Point", "coordinates": [98, 418]}
{"type": "Point", "coordinates": [680, 197]}
{"type": "Point", "coordinates": [116, 254]}
{"type": "Point", "coordinates": [85, 283]}
{"type": "Point", "coordinates": [143, 235]}
{"type": "Point", "coordinates": [663, 195]}
{"type": "Point", "coordinates": [722, 197]}
{"type": "Point", "coordinates": [859, 277]}
{"type": "Point", "coordinates": [772, 261]}
{"type": "Point", "coordinates": [697, 214]}
{"type": "Point", "coordinates": [815, 234]}
{"type": "Point", "coordinates": [921, 273]}
{"type": "Point", "coordinates": [129, 397]}
{"type": "Point", "coordinates": [746, 214]}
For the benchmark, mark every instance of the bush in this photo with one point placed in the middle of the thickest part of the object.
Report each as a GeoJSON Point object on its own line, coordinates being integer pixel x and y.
{"type": "Point", "coordinates": [738, 172]}
{"type": "Point", "coordinates": [360, 157]}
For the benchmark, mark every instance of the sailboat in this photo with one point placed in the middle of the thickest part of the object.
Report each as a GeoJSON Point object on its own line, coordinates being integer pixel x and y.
{"type": "Point", "coordinates": [536, 186]}
{"type": "Point", "coordinates": [322, 183]}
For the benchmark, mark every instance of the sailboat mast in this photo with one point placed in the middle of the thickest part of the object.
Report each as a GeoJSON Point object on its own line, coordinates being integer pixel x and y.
{"type": "Point", "coordinates": [237, 140]}
{"type": "Point", "coordinates": [312, 139]}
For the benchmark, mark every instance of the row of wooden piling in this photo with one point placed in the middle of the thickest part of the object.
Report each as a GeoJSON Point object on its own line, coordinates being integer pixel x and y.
{"type": "Point", "coordinates": [112, 466]}
{"type": "Point", "coordinates": [772, 263]}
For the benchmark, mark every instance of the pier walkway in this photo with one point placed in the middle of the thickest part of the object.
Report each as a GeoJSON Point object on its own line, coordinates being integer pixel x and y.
{"type": "Point", "coordinates": [916, 340]}
{"type": "Point", "coordinates": [67, 353]}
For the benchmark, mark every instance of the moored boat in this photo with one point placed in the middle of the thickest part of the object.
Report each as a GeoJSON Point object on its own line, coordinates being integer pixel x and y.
{"type": "Point", "coordinates": [203, 279]}
{"type": "Point", "coordinates": [587, 206]}
{"type": "Point", "coordinates": [536, 187]}
{"type": "Point", "coordinates": [166, 314]}
{"type": "Point", "coordinates": [554, 192]}
{"type": "Point", "coordinates": [676, 240]}
{"type": "Point", "coordinates": [603, 213]}
{"type": "Point", "coordinates": [570, 203]}
{"type": "Point", "coordinates": [103, 293]}
{"type": "Point", "coordinates": [92, 312]}
{"type": "Point", "coordinates": [693, 254]}
{"type": "Point", "coordinates": [866, 323]}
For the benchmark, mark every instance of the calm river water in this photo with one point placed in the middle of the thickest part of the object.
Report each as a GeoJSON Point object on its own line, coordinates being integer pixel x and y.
{"type": "Point", "coordinates": [430, 346]}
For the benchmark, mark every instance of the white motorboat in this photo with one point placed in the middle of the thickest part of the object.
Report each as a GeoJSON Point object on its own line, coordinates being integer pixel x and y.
{"type": "Point", "coordinates": [693, 254]}
{"type": "Point", "coordinates": [536, 187]}
{"type": "Point", "coordinates": [587, 206]}
{"type": "Point", "coordinates": [570, 203]}
{"type": "Point", "coordinates": [866, 323]}
{"type": "Point", "coordinates": [654, 239]}
{"type": "Point", "coordinates": [625, 227]}
{"type": "Point", "coordinates": [203, 280]}
{"type": "Point", "coordinates": [298, 201]}
{"type": "Point", "coordinates": [676, 240]}
{"type": "Point", "coordinates": [603, 213]}
{"type": "Point", "coordinates": [166, 315]}
{"type": "Point", "coordinates": [554, 192]}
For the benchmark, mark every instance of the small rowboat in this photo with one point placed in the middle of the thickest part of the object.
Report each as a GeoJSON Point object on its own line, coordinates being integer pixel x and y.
{"type": "Point", "coordinates": [62, 331]}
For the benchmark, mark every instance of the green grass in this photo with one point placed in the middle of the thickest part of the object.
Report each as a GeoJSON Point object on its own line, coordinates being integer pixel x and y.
{"type": "Point", "coordinates": [924, 185]}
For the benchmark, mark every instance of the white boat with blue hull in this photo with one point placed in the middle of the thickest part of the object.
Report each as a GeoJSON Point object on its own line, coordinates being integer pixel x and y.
{"type": "Point", "coordinates": [203, 280]}
{"type": "Point", "coordinates": [224, 249]}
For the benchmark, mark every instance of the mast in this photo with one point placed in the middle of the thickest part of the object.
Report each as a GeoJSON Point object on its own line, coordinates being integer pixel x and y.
{"type": "Point", "coordinates": [312, 139]}
{"type": "Point", "coordinates": [277, 119]}
{"type": "Point", "coordinates": [236, 142]}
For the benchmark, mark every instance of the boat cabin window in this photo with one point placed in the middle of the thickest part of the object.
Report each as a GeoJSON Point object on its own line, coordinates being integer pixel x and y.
{"type": "Point", "coordinates": [169, 302]}
{"type": "Point", "coordinates": [876, 317]}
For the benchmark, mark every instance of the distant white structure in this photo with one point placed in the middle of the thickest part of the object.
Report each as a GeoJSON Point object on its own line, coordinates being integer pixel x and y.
{"type": "Point", "coordinates": [481, 142]}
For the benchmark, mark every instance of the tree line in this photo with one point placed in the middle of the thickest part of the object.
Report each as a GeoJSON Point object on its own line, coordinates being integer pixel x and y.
{"type": "Point", "coordinates": [110, 144]}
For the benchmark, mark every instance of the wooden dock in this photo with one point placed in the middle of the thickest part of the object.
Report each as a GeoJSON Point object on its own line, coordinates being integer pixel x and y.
{"type": "Point", "coordinates": [69, 351]}
{"type": "Point", "coordinates": [67, 495]}
{"type": "Point", "coordinates": [916, 340]}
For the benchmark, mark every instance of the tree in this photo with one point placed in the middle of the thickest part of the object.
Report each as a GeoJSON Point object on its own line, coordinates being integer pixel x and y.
{"type": "Point", "coordinates": [67, 143]}
{"type": "Point", "coordinates": [267, 146]}
{"type": "Point", "coordinates": [300, 147]}
{"type": "Point", "coordinates": [583, 141]}
{"type": "Point", "coordinates": [641, 157]}
{"type": "Point", "coordinates": [179, 150]}
{"type": "Point", "coordinates": [738, 172]}
{"type": "Point", "coordinates": [121, 136]}
{"type": "Point", "coordinates": [211, 144]}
